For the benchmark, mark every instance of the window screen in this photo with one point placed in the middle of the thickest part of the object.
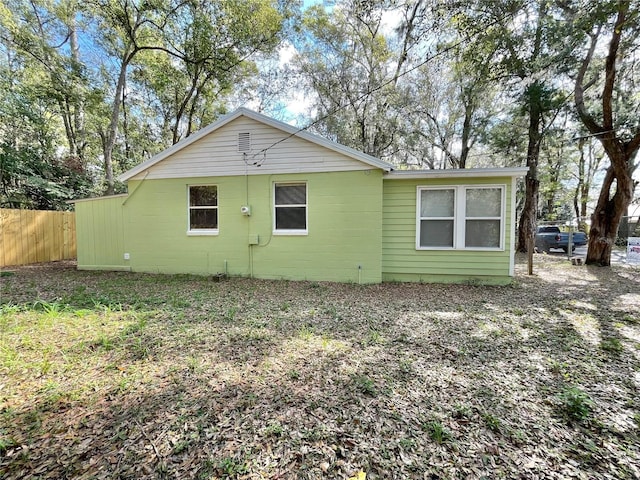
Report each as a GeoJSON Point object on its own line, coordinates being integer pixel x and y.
{"type": "Point", "coordinates": [203, 207]}
{"type": "Point", "coordinates": [290, 206]}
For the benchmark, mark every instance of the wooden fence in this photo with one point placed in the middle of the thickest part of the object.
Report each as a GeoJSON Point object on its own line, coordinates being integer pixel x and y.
{"type": "Point", "coordinates": [34, 236]}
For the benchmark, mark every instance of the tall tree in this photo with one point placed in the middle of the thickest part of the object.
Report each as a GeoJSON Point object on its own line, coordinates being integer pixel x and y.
{"type": "Point", "coordinates": [523, 39]}
{"type": "Point", "coordinates": [40, 85]}
{"type": "Point", "coordinates": [613, 120]}
{"type": "Point", "coordinates": [129, 27]}
{"type": "Point", "coordinates": [205, 43]}
{"type": "Point", "coordinates": [347, 61]}
{"type": "Point", "coordinates": [45, 35]}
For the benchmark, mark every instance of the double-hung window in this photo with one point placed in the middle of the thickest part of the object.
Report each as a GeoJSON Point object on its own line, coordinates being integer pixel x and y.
{"type": "Point", "coordinates": [460, 217]}
{"type": "Point", "coordinates": [437, 217]}
{"type": "Point", "coordinates": [290, 208]}
{"type": "Point", "coordinates": [483, 217]}
{"type": "Point", "coordinates": [203, 209]}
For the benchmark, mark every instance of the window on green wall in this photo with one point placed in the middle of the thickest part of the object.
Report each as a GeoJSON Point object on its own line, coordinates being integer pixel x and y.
{"type": "Point", "coordinates": [460, 217]}
{"type": "Point", "coordinates": [203, 209]}
{"type": "Point", "coordinates": [290, 208]}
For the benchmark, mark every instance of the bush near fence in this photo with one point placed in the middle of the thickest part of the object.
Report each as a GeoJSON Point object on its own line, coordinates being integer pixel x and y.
{"type": "Point", "coordinates": [34, 236]}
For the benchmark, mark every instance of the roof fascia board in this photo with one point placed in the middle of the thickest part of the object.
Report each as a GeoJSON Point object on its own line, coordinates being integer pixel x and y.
{"type": "Point", "coordinates": [91, 199]}
{"type": "Point", "coordinates": [457, 173]}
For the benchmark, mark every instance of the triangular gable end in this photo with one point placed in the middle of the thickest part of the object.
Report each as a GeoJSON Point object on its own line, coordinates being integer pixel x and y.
{"type": "Point", "coordinates": [246, 142]}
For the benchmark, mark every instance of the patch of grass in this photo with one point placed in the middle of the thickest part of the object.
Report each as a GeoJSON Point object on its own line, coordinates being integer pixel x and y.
{"type": "Point", "coordinates": [194, 364]}
{"type": "Point", "coordinates": [105, 342]}
{"type": "Point", "coordinates": [6, 441]}
{"type": "Point", "coordinates": [206, 470]}
{"type": "Point", "coordinates": [248, 400]}
{"type": "Point", "coordinates": [365, 385]}
{"type": "Point", "coordinates": [285, 306]}
{"type": "Point", "coordinates": [230, 313]}
{"type": "Point", "coordinates": [231, 467]}
{"type": "Point", "coordinates": [437, 432]}
{"type": "Point", "coordinates": [139, 348]}
{"type": "Point", "coordinates": [557, 367]}
{"type": "Point", "coordinates": [33, 420]}
{"type": "Point", "coordinates": [305, 332]}
{"type": "Point", "coordinates": [518, 437]}
{"type": "Point", "coordinates": [273, 429]}
{"type": "Point", "coordinates": [493, 423]}
{"type": "Point", "coordinates": [7, 309]}
{"type": "Point", "coordinates": [332, 312]}
{"type": "Point", "coordinates": [612, 345]}
{"type": "Point", "coordinates": [50, 309]}
{"type": "Point", "coordinates": [462, 412]}
{"type": "Point", "coordinates": [135, 327]}
{"type": "Point", "coordinates": [407, 443]}
{"type": "Point", "coordinates": [575, 404]}
{"type": "Point", "coordinates": [406, 367]}
{"type": "Point", "coordinates": [374, 338]}
{"type": "Point", "coordinates": [203, 366]}
{"type": "Point", "coordinates": [317, 433]}
{"type": "Point", "coordinates": [181, 446]}
{"type": "Point", "coordinates": [586, 451]}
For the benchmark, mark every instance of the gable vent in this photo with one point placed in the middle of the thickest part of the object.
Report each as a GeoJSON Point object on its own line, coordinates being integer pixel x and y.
{"type": "Point", "coordinates": [244, 142]}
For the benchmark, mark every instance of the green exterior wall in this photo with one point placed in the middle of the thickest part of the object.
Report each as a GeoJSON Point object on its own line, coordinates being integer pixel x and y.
{"type": "Point", "coordinates": [100, 234]}
{"type": "Point", "coordinates": [361, 229]}
{"type": "Point", "coordinates": [344, 229]}
{"type": "Point", "coordinates": [402, 262]}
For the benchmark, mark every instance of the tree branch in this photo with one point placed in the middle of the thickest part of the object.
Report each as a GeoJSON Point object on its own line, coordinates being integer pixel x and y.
{"type": "Point", "coordinates": [610, 66]}
{"type": "Point", "coordinates": [586, 118]}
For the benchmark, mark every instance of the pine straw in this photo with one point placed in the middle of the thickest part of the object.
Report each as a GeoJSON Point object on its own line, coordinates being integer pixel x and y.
{"type": "Point", "coordinates": [116, 375]}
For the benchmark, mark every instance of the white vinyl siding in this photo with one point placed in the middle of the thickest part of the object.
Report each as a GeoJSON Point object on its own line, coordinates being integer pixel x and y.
{"type": "Point", "coordinates": [460, 217]}
{"type": "Point", "coordinates": [217, 155]}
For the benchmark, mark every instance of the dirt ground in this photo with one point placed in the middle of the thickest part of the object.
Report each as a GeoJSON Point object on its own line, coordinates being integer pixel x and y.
{"type": "Point", "coordinates": [121, 375]}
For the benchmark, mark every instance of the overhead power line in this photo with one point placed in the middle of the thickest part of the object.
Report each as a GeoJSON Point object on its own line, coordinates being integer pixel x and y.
{"type": "Point", "coordinates": [379, 87]}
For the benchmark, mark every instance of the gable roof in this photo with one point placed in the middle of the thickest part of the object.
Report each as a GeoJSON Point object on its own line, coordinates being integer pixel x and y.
{"type": "Point", "coordinates": [284, 127]}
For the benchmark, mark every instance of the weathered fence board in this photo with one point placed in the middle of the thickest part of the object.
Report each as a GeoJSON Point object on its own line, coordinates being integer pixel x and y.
{"type": "Point", "coordinates": [33, 236]}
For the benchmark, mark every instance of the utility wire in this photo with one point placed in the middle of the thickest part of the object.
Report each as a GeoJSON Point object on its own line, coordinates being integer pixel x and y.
{"type": "Point", "coordinates": [379, 87]}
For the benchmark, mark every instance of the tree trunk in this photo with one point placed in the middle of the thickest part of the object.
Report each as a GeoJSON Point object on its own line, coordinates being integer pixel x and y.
{"type": "Point", "coordinates": [579, 189]}
{"type": "Point", "coordinates": [110, 137]}
{"type": "Point", "coordinates": [577, 196]}
{"type": "Point", "coordinates": [80, 142]}
{"type": "Point", "coordinates": [466, 134]}
{"type": "Point", "coordinates": [606, 217]}
{"type": "Point", "coordinates": [617, 188]}
{"type": "Point", "coordinates": [528, 218]}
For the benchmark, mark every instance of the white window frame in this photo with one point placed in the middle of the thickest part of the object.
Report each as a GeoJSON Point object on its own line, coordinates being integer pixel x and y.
{"type": "Point", "coordinates": [420, 218]}
{"type": "Point", "coordinates": [202, 231]}
{"type": "Point", "coordinates": [460, 218]}
{"type": "Point", "coordinates": [282, 231]}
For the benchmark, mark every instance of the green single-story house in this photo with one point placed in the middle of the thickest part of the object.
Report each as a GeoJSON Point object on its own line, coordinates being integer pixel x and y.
{"type": "Point", "coordinates": [252, 196]}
